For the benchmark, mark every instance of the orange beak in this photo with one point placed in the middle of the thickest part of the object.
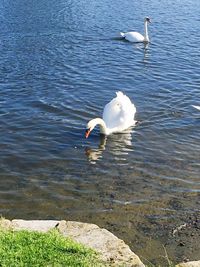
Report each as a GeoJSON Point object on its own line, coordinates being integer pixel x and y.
{"type": "Point", "coordinates": [87, 133]}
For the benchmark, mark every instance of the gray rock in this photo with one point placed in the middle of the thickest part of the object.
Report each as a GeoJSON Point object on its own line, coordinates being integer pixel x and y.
{"type": "Point", "coordinates": [112, 249]}
{"type": "Point", "coordinates": [189, 264]}
{"type": "Point", "coordinates": [5, 224]}
{"type": "Point", "coordinates": [34, 225]}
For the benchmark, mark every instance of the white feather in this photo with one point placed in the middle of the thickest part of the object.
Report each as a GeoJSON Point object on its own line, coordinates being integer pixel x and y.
{"type": "Point", "coordinates": [197, 107]}
{"type": "Point", "coordinates": [118, 115]}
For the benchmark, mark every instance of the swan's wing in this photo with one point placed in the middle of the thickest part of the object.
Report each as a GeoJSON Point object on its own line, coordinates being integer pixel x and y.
{"type": "Point", "coordinates": [119, 112]}
{"type": "Point", "coordinates": [111, 114]}
{"type": "Point", "coordinates": [128, 111]}
{"type": "Point", "coordinates": [134, 36]}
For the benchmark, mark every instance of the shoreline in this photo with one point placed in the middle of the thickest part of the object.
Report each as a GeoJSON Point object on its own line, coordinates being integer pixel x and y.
{"type": "Point", "coordinates": [113, 251]}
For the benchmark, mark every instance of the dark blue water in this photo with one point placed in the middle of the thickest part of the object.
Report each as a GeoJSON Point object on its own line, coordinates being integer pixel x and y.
{"type": "Point", "coordinates": [60, 63]}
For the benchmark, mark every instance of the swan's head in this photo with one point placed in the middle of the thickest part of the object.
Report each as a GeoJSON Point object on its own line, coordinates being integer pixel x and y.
{"type": "Point", "coordinates": [91, 124]}
{"type": "Point", "coordinates": [147, 19]}
{"type": "Point", "coordinates": [89, 127]}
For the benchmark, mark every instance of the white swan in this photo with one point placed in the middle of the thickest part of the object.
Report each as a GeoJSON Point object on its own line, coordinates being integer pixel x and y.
{"type": "Point", "coordinates": [197, 107]}
{"type": "Point", "coordinates": [136, 37]}
{"type": "Point", "coordinates": [118, 115]}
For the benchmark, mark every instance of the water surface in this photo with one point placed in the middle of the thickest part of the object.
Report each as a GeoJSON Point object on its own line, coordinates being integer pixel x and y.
{"type": "Point", "coordinates": [61, 62]}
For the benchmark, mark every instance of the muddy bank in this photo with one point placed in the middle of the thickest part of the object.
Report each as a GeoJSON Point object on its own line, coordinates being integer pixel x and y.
{"type": "Point", "coordinates": [148, 228]}
{"type": "Point", "coordinates": [177, 241]}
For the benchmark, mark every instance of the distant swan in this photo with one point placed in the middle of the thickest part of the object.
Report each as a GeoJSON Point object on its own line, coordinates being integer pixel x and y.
{"type": "Point", "coordinates": [136, 37]}
{"type": "Point", "coordinates": [118, 115]}
{"type": "Point", "coordinates": [197, 107]}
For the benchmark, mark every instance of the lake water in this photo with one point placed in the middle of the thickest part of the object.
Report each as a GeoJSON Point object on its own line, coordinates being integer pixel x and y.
{"type": "Point", "coordinates": [60, 63]}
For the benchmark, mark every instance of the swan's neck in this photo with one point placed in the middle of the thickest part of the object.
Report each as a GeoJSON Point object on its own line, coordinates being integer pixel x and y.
{"type": "Point", "coordinates": [102, 125]}
{"type": "Point", "coordinates": [146, 36]}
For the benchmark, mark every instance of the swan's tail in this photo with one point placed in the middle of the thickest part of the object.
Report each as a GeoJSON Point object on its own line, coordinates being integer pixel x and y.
{"type": "Point", "coordinates": [119, 94]}
{"type": "Point", "coordinates": [122, 34]}
{"type": "Point", "coordinates": [197, 107]}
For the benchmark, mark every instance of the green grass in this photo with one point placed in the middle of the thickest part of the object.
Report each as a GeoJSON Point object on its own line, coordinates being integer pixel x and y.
{"type": "Point", "coordinates": [34, 249]}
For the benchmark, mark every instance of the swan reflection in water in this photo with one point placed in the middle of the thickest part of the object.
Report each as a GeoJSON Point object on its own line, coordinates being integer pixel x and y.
{"type": "Point", "coordinates": [118, 144]}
